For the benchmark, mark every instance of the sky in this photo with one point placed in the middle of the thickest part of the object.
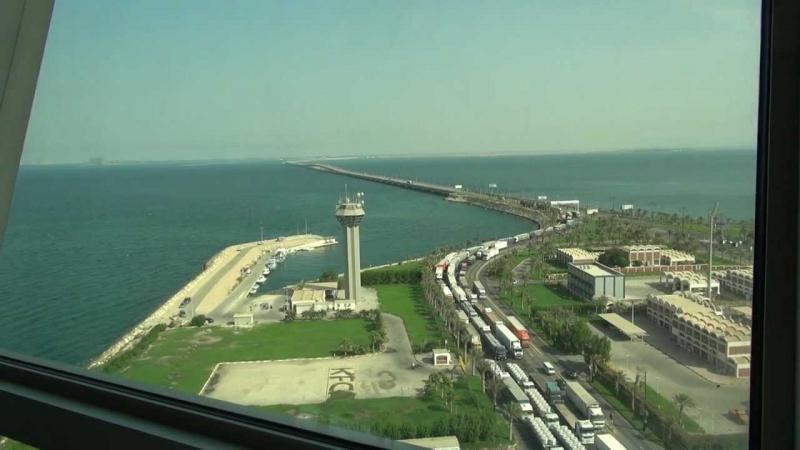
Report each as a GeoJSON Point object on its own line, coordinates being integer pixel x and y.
{"type": "Point", "coordinates": [195, 79]}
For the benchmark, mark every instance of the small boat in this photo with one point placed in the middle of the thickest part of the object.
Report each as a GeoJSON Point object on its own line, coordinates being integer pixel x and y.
{"type": "Point", "coordinates": [261, 279]}
{"type": "Point", "coordinates": [272, 264]}
{"type": "Point", "coordinates": [266, 271]}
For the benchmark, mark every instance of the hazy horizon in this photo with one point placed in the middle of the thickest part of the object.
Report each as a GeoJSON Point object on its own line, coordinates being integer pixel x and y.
{"type": "Point", "coordinates": [195, 81]}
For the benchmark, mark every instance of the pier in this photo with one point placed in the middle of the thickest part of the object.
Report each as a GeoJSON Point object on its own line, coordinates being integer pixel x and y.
{"type": "Point", "coordinates": [526, 208]}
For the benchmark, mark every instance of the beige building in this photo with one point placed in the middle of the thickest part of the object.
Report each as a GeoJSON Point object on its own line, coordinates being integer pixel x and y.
{"type": "Point", "coordinates": [319, 297]}
{"type": "Point", "coordinates": [685, 281]}
{"type": "Point", "coordinates": [643, 255]}
{"type": "Point", "coordinates": [670, 257]}
{"type": "Point", "coordinates": [698, 330]}
{"type": "Point", "coordinates": [592, 281]}
{"type": "Point", "coordinates": [740, 282]}
{"type": "Point", "coordinates": [575, 255]}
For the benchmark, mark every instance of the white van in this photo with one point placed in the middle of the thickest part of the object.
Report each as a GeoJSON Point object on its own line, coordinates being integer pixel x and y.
{"type": "Point", "coordinates": [549, 368]}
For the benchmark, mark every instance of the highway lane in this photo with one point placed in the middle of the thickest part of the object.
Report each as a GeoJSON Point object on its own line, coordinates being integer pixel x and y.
{"type": "Point", "coordinates": [539, 352]}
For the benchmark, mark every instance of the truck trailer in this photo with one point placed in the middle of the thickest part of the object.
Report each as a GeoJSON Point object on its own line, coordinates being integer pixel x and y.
{"type": "Point", "coordinates": [477, 287]}
{"type": "Point", "coordinates": [479, 323]}
{"type": "Point", "coordinates": [585, 403]}
{"type": "Point", "coordinates": [554, 392]}
{"type": "Point", "coordinates": [517, 395]}
{"type": "Point", "coordinates": [606, 441]}
{"type": "Point", "coordinates": [519, 330]}
{"type": "Point", "coordinates": [567, 438]}
{"type": "Point", "coordinates": [493, 347]}
{"type": "Point", "coordinates": [507, 338]}
{"type": "Point", "coordinates": [519, 375]}
{"type": "Point", "coordinates": [474, 337]}
{"type": "Point", "coordinates": [544, 438]}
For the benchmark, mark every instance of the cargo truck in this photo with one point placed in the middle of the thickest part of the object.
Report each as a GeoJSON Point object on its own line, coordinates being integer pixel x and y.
{"type": "Point", "coordinates": [467, 308]}
{"type": "Point", "coordinates": [477, 287]}
{"type": "Point", "coordinates": [516, 395]}
{"type": "Point", "coordinates": [507, 338]}
{"type": "Point", "coordinates": [519, 330]}
{"type": "Point", "coordinates": [567, 438]}
{"type": "Point", "coordinates": [607, 442]}
{"type": "Point", "coordinates": [479, 323]}
{"type": "Point", "coordinates": [541, 408]}
{"type": "Point", "coordinates": [544, 438]}
{"type": "Point", "coordinates": [554, 392]}
{"type": "Point", "coordinates": [474, 337]}
{"type": "Point", "coordinates": [583, 429]}
{"type": "Point", "coordinates": [462, 316]}
{"type": "Point", "coordinates": [497, 371]}
{"type": "Point", "coordinates": [501, 244]}
{"type": "Point", "coordinates": [493, 347]}
{"type": "Point", "coordinates": [490, 317]}
{"type": "Point", "coordinates": [585, 403]}
{"type": "Point", "coordinates": [519, 375]}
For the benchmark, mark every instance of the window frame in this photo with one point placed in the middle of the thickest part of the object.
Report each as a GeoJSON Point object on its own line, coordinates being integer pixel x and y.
{"type": "Point", "coordinates": [48, 404]}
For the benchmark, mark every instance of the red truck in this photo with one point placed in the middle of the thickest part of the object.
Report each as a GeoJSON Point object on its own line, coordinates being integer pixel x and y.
{"type": "Point", "coordinates": [519, 331]}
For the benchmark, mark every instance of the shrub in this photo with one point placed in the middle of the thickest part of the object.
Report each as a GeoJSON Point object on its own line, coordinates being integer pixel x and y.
{"type": "Point", "coordinates": [198, 321]}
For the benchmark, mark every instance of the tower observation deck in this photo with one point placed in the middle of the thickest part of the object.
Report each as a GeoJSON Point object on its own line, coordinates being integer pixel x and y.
{"type": "Point", "coordinates": [349, 213]}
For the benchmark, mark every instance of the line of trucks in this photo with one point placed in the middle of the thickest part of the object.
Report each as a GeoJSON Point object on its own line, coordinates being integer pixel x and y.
{"type": "Point", "coordinates": [543, 421]}
{"type": "Point", "coordinates": [504, 339]}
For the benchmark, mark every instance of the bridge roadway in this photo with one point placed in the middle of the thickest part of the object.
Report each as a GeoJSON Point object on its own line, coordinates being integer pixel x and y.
{"type": "Point", "coordinates": [508, 204]}
{"type": "Point", "coordinates": [539, 352]}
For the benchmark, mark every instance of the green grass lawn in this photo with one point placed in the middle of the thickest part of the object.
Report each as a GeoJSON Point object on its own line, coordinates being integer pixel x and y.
{"type": "Point", "coordinates": [15, 445]}
{"type": "Point", "coordinates": [406, 302]}
{"type": "Point", "coordinates": [401, 414]}
{"type": "Point", "coordinates": [545, 296]}
{"type": "Point", "coordinates": [183, 358]}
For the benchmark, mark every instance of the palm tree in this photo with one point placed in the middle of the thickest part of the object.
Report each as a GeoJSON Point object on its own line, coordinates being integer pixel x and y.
{"type": "Point", "coordinates": [682, 401]}
{"type": "Point", "coordinates": [513, 412]}
{"type": "Point", "coordinates": [620, 378]}
{"type": "Point", "coordinates": [483, 367]}
{"type": "Point", "coordinates": [496, 384]}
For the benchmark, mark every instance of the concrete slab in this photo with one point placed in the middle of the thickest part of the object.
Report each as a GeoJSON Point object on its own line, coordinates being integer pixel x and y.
{"type": "Point", "coordinates": [303, 381]}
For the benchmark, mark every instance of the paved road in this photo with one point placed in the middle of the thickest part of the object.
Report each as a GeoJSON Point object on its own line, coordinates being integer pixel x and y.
{"type": "Point", "coordinates": [237, 298]}
{"type": "Point", "coordinates": [540, 351]}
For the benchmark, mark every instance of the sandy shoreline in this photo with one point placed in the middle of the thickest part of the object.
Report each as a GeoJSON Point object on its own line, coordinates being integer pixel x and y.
{"type": "Point", "coordinates": [168, 309]}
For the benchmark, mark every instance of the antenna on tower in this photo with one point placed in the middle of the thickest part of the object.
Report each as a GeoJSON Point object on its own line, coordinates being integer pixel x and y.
{"type": "Point", "coordinates": [712, 216]}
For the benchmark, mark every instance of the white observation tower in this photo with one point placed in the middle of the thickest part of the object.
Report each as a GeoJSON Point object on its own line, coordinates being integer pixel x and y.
{"type": "Point", "coordinates": [349, 213]}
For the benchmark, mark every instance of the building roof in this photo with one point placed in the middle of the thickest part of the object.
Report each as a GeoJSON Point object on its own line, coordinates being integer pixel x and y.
{"type": "Point", "coordinates": [597, 270]}
{"type": "Point", "coordinates": [440, 350]}
{"type": "Point", "coordinates": [746, 311]}
{"type": "Point", "coordinates": [676, 255]}
{"type": "Point", "coordinates": [703, 317]}
{"type": "Point", "coordinates": [692, 279]}
{"type": "Point", "coordinates": [438, 442]}
{"type": "Point", "coordinates": [741, 273]}
{"type": "Point", "coordinates": [578, 253]}
{"type": "Point", "coordinates": [308, 295]}
{"type": "Point", "coordinates": [641, 248]}
{"type": "Point", "coordinates": [625, 326]}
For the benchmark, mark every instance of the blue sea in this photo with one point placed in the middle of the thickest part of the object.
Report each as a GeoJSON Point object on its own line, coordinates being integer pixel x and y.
{"type": "Point", "coordinates": [91, 251]}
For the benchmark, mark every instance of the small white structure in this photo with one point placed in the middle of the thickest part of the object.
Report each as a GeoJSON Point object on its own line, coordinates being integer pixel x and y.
{"type": "Point", "coordinates": [435, 443]}
{"type": "Point", "coordinates": [442, 357]}
{"type": "Point", "coordinates": [244, 320]}
{"type": "Point", "coordinates": [321, 296]}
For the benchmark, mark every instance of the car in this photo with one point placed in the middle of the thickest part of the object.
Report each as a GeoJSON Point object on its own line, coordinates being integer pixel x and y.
{"type": "Point", "coordinates": [182, 313]}
{"type": "Point", "coordinates": [209, 320]}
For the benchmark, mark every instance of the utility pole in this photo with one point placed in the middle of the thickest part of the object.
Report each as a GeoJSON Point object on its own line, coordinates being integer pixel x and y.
{"type": "Point", "coordinates": [711, 217]}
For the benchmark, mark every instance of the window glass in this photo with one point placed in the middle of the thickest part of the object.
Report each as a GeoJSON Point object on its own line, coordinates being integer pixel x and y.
{"type": "Point", "coordinates": [480, 222]}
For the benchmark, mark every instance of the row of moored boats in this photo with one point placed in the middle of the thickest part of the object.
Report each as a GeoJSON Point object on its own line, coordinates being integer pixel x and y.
{"type": "Point", "coordinates": [272, 264]}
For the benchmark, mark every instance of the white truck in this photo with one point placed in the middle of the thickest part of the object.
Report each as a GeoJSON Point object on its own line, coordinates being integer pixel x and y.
{"type": "Point", "coordinates": [474, 337]}
{"type": "Point", "coordinates": [459, 294]}
{"type": "Point", "coordinates": [462, 316]}
{"type": "Point", "coordinates": [585, 403]}
{"type": "Point", "coordinates": [567, 438]}
{"type": "Point", "coordinates": [519, 375]}
{"type": "Point", "coordinates": [542, 408]}
{"type": "Point", "coordinates": [509, 340]}
{"type": "Point", "coordinates": [477, 287]}
{"type": "Point", "coordinates": [497, 371]}
{"type": "Point", "coordinates": [607, 442]}
{"type": "Point", "coordinates": [516, 394]}
{"type": "Point", "coordinates": [501, 244]}
{"type": "Point", "coordinates": [544, 438]}
{"type": "Point", "coordinates": [479, 323]}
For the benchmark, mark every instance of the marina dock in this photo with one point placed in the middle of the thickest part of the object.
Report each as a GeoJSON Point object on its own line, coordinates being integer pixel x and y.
{"type": "Point", "coordinates": [223, 282]}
